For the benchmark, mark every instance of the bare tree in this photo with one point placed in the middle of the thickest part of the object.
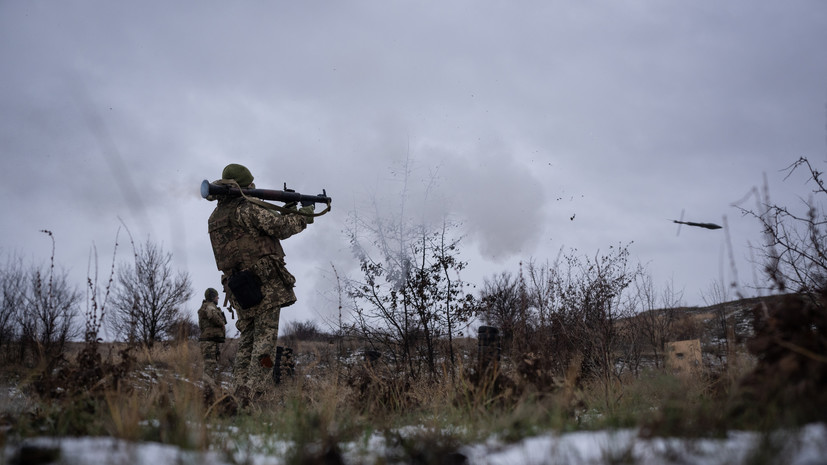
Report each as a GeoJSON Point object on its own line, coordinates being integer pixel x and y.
{"type": "Point", "coordinates": [717, 297]}
{"type": "Point", "coordinates": [790, 333]}
{"type": "Point", "coordinates": [540, 289]}
{"type": "Point", "coordinates": [597, 294]}
{"type": "Point", "coordinates": [657, 316]}
{"type": "Point", "coordinates": [46, 318]}
{"type": "Point", "coordinates": [13, 282]}
{"type": "Point", "coordinates": [148, 297]}
{"type": "Point", "coordinates": [409, 295]}
{"type": "Point", "coordinates": [583, 300]}
{"type": "Point", "coordinates": [405, 306]}
{"type": "Point", "coordinates": [500, 304]}
{"type": "Point", "coordinates": [436, 292]}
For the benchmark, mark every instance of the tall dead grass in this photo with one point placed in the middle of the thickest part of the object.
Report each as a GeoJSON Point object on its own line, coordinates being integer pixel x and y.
{"type": "Point", "coordinates": [337, 396]}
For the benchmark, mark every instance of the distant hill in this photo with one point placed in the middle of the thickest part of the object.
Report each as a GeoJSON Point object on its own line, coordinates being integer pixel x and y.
{"type": "Point", "coordinates": [719, 327]}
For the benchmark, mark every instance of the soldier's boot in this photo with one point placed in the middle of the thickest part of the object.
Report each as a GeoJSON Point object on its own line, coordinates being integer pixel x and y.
{"type": "Point", "coordinates": [242, 396]}
{"type": "Point", "coordinates": [284, 365]}
{"type": "Point", "coordinates": [227, 406]}
{"type": "Point", "coordinates": [208, 395]}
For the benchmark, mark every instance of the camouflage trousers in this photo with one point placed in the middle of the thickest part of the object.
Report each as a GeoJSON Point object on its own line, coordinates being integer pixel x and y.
{"type": "Point", "coordinates": [253, 366]}
{"type": "Point", "coordinates": [210, 352]}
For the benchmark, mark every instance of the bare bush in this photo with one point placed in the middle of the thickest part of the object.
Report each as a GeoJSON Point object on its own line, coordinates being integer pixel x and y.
{"type": "Point", "coordinates": [657, 317]}
{"type": "Point", "coordinates": [306, 331]}
{"type": "Point", "coordinates": [185, 328]}
{"type": "Point", "coordinates": [13, 282]}
{"type": "Point", "coordinates": [148, 297]}
{"type": "Point", "coordinates": [404, 306]}
{"type": "Point", "coordinates": [47, 320]}
{"type": "Point", "coordinates": [794, 256]}
{"type": "Point", "coordinates": [410, 295]}
{"type": "Point", "coordinates": [501, 304]}
{"type": "Point", "coordinates": [723, 338]}
{"type": "Point", "coordinates": [789, 340]}
{"type": "Point", "coordinates": [568, 317]}
{"type": "Point", "coordinates": [46, 314]}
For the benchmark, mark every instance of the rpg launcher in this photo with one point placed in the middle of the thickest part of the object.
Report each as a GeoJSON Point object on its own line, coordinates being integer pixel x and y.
{"type": "Point", "coordinates": [286, 195]}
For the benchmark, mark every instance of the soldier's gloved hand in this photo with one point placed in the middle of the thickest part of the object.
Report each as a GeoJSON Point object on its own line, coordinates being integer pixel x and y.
{"type": "Point", "coordinates": [308, 209]}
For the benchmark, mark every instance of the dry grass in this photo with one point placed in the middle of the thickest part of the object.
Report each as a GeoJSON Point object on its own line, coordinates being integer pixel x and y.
{"type": "Point", "coordinates": [334, 396]}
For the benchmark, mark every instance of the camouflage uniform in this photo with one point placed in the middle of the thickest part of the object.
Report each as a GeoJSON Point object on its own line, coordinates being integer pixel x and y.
{"type": "Point", "coordinates": [211, 320]}
{"type": "Point", "coordinates": [245, 238]}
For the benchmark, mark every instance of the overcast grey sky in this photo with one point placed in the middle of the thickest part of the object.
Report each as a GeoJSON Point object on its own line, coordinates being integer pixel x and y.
{"type": "Point", "coordinates": [542, 125]}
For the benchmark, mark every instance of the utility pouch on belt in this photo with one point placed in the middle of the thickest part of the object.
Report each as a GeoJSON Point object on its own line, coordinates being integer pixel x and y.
{"type": "Point", "coordinates": [246, 288]}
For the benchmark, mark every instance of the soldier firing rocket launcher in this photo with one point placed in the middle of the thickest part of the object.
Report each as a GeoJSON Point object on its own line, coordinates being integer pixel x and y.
{"type": "Point", "coordinates": [287, 195]}
{"type": "Point", "coordinates": [209, 190]}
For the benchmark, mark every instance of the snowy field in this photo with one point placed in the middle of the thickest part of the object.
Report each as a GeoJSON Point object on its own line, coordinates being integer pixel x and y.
{"type": "Point", "coordinates": [807, 446]}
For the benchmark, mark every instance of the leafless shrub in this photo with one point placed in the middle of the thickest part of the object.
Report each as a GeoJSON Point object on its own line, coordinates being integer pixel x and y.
{"type": "Point", "coordinates": [13, 282]}
{"type": "Point", "coordinates": [500, 305]}
{"type": "Point", "coordinates": [789, 340]}
{"type": "Point", "coordinates": [184, 328]}
{"type": "Point", "coordinates": [39, 310]}
{"type": "Point", "coordinates": [306, 331]}
{"type": "Point", "coordinates": [656, 318]}
{"type": "Point", "coordinates": [409, 295]}
{"type": "Point", "coordinates": [148, 296]}
{"type": "Point", "coordinates": [794, 255]}
{"type": "Point", "coordinates": [569, 313]}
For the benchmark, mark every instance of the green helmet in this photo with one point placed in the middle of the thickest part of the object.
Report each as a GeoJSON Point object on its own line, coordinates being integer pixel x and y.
{"type": "Point", "coordinates": [239, 173]}
{"type": "Point", "coordinates": [210, 294]}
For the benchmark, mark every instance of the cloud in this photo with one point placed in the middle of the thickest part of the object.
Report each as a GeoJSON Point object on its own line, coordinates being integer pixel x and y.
{"type": "Point", "coordinates": [499, 201]}
{"type": "Point", "coordinates": [513, 121]}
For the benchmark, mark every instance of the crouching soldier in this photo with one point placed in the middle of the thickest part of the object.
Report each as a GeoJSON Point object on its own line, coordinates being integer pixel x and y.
{"type": "Point", "coordinates": [211, 320]}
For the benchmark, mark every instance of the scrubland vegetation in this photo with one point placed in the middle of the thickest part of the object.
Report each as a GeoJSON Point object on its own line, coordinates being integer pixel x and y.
{"type": "Point", "coordinates": [582, 344]}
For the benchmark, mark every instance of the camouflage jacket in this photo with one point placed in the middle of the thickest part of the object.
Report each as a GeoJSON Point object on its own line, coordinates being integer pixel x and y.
{"type": "Point", "coordinates": [245, 236]}
{"type": "Point", "coordinates": [211, 320]}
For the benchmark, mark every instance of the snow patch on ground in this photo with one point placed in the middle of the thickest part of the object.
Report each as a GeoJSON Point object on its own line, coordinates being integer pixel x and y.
{"type": "Point", "coordinates": [807, 446]}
